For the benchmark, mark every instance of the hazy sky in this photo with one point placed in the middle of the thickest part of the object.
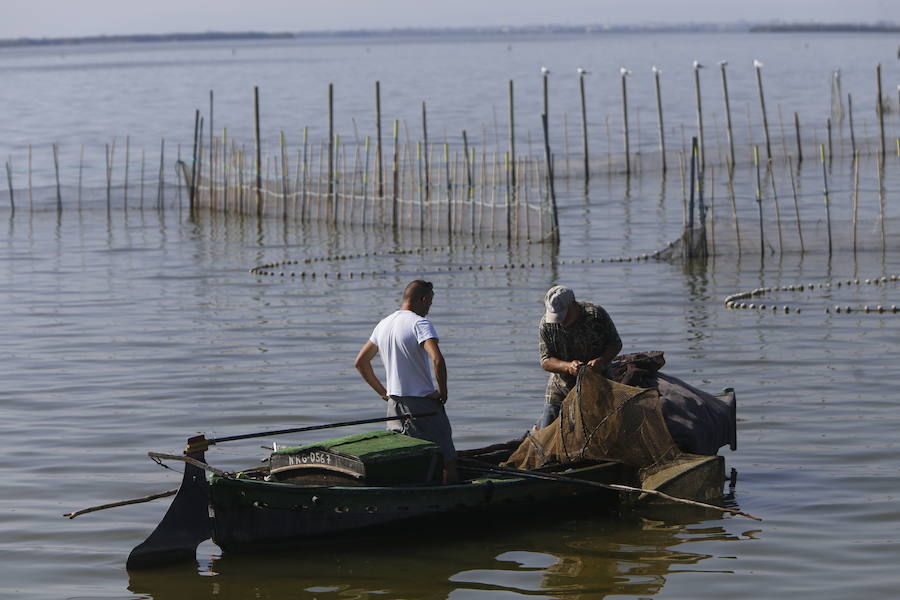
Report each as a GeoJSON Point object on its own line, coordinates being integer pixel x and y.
{"type": "Point", "coordinates": [63, 18]}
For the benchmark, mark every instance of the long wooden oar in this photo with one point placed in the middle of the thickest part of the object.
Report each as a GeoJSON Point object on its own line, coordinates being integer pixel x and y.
{"type": "Point", "coordinates": [245, 436]}
{"type": "Point", "coordinates": [526, 474]}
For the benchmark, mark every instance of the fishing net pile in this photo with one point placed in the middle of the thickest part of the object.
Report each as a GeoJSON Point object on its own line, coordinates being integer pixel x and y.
{"type": "Point", "coordinates": [603, 419]}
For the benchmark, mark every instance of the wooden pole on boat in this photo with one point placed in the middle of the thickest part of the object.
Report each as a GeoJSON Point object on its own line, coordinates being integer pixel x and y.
{"type": "Point", "coordinates": [659, 117]}
{"type": "Point", "coordinates": [722, 65]}
{"type": "Point", "coordinates": [526, 474]}
{"type": "Point", "coordinates": [584, 125]}
{"type": "Point", "coordinates": [762, 104]}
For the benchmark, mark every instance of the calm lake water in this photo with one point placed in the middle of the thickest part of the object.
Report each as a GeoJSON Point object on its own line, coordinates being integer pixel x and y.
{"type": "Point", "coordinates": [130, 329]}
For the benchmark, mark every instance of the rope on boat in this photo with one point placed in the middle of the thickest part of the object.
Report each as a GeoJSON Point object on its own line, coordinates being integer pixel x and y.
{"type": "Point", "coordinates": [609, 486]}
{"type": "Point", "coordinates": [191, 461]}
{"type": "Point", "coordinates": [148, 498]}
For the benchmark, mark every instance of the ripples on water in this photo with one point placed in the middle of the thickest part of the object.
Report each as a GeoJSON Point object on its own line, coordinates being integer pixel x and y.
{"type": "Point", "coordinates": [128, 331]}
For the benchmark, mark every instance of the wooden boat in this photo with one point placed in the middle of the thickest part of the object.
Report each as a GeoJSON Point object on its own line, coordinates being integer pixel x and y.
{"type": "Point", "coordinates": [384, 480]}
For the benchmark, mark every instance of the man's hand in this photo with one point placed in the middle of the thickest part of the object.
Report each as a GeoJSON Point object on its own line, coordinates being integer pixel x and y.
{"type": "Point", "coordinates": [597, 364]}
{"type": "Point", "coordinates": [572, 367]}
{"type": "Point", "coordinates": [438, 396]}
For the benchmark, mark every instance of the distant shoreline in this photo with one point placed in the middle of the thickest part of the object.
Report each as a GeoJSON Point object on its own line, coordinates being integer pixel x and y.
{"type": "Point", "coordinates": [596, 29]}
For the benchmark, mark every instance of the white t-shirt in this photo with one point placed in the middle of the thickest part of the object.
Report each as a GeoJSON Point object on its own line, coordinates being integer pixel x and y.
{"type": "Point", "coordinates": [399, 337]}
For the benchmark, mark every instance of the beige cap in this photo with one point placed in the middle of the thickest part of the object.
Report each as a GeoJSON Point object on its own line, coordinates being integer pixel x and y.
{"type": "Point", "coordinates": [557, 302]}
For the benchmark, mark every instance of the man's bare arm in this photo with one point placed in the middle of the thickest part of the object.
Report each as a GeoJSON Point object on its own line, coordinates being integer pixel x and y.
{"type": "Point", "coordinates": [562, 367]}
{"type": "Point", "coordinates": [363, 364]}
{"type": "Point", "coordinates": [440, 367]}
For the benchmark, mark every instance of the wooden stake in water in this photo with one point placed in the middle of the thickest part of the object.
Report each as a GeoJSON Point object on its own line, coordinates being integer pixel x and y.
{"type": "Point", "coordinates": [702, 163]}
{"type": "Point", "coordinates": [734, 214]}
{"type": "Point", "coordinates": [548, 162]}
{"type": "Point", "coordinates": [9, 183]}
{"type": "Point", "coordinates": [426, 153]}
{"type": "Point", "coordinates": [212, 133]}
{"type": "Point", "coordinates": [584, 125]}
{"type": "Point", "coordinates": [762, 104]}
{"type": "Point", "coordinates": [161, 182]}
{"type": "Point", "coordinates": [56, 169]}
{"type": "Point", "coordinates": [379, 160]}
{"type": "Point", "coordinates": [623, 73]}
{"type": "Point", "coordinates": [259, 202]}
{"type": "Point", "coordinates": [108, 176]}
{"type": "Point", "coordinates": [771, 175]}
{"type": "Point", "coordinates": [545, 72]}
{"type": "Point", "coordinates": [659, 117]}
{"type": "Point", "coordinates": [30, 197]}
{"type": "Point", "coordinates": [511, 177]}
{"type": "Point", "coordinates": [855, 198]}
{"type": "Point", "coordinates": [127, 159]}
{"type": "Point", "coordinates": [192, 193]}
{"type": "Point", "coordinates": [796, 203]}
{"type": "Point", "coordinates": [799, 144]}
{"type": "Point", "coordinates": [80, 170]}
{"type": "Point", "coordinates": [722, 65]}
{"type": "Point", "coordinates": [825, 191]}
{"type": "Point", "coordinates": [330, 143]}
{"type": "Point", "coordinates": [395, 173]}
{"type": "Point", "coordinates": [880, 105]}
{"type": "Point", "coordinates": [762, 241]}
{"type": "Point", "coordinates": [850, 120]}
{"type": "Point", "coordinates": [830, 147]}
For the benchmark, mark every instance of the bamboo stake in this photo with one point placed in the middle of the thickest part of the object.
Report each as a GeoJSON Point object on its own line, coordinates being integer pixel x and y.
{"type": "Point", "coordinates": [722, 65]}
{"type": "Point", "coordinates": [734, 213]}
{"type": "Point", "coordinates": [80, 171]}
{"type": "Point", "coordinates": [850, 119]}
{"type": "Point", "coordinates": [511, 163]}
{"type": "Point", "coordinates": [796, 203]}
{"type": "Point", "coordinates": [56, 169]}
{"type": "Point", "coordinates": [880, 106]}
{"type": "Point", "coordinates": [830, 147]}
{"type": "Point", "coordinates": [425, 142]}
{"type": "Point", "coordinates": [799, 144]}
{"type": "Point", "coordinates": [827, 203]}
{"type": "Point", "coordinates": [9, 183]}
{"type": "Point", "coordinates": [212, 133]}
{"type": "Point", "coordinates": [623, 72]}
{"type": "Point", "coordinates": [762, 103]}
{"type": "Point", "coordinates": [284, 176]}
{"type": "Point", "coordinates": [30, 199]}
{"type": "Point", "coordinates": [395, 173]}
{"type": "Point", "coordinates": [161, 182]}
{"type": "Point", "coordinates": [379, 164]}
{"type": "Point", "coordinates": [855, 198]}
{"type": "Point", "coordinates": [331, 198]}
{"type": "Point", "coordinates": [659, 117]}
{"type": "Point", "coordinates": [702, 155]}
{"type": "Point", "coordinates": [756, 163]}
{"type": "Point", "coordinates": [771, 174]}
{"type": "Point", "coordinates": [584, 127]}
{"type": "Point", "coordinates": [259, 203]}
{"type": "Point", "coordinates": [127, 160]}
{"type": "Point", "coordinates": [143, 163]}
{"type": "Point", "coordinates": [192, 194]}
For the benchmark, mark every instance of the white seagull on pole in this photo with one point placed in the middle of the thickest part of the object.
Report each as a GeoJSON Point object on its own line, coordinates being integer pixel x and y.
{"type": "Point", "coordinates": [697, 64]}
{"type": "Point", "coordinates": [757, 63]}
{"type": "Point", "coordinates": [624, 72]}
{"type": "Point", "coordinates": [581, 71]}
{"type": "Point", "coordinates": [545, 71]}
{"type": "Point", "coordinates": [655, 69]}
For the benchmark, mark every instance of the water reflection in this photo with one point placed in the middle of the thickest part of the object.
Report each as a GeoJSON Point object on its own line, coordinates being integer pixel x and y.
{"type": "Point", "coordinates": [583, 557]}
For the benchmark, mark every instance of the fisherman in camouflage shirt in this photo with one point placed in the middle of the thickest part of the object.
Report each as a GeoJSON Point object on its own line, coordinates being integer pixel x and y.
{"type": "Point", "coordinates": [572, 334]}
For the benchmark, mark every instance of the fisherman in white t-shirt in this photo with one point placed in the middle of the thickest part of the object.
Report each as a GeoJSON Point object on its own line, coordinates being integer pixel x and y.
{"type": "Point", "coordinates": [415, 372]}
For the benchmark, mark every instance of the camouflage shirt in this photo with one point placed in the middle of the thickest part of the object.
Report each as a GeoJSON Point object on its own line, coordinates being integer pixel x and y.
{"type": "Point", "coordinates": [586, 339]}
